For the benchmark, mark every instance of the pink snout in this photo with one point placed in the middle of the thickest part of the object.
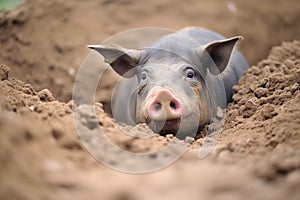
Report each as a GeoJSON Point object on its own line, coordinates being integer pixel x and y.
{"type": "Point", "coordinates": [165, 106]}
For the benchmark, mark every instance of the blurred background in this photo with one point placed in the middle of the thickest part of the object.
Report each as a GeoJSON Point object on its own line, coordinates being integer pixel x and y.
{"type": "Point", "coordinates": [45, 40]}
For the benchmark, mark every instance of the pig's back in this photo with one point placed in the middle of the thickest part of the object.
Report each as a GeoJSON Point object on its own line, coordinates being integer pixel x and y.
{"type": "Point", "coordinates": [201, 35]}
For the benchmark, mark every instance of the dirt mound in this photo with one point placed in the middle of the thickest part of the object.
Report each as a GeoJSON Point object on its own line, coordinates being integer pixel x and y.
{"type": "Point", "coordinates": [267, 100]}
{"type": "Point", "coordinates": [264, 118]}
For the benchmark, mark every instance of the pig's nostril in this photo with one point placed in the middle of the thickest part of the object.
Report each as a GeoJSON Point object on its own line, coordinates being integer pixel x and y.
{"type": "Point", "coordinates": [172, 105]}
{"type": "Point", "coordinates": [158, 106]}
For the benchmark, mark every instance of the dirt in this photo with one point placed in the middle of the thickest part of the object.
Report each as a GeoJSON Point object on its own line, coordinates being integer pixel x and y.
{"type": "Point", "coordinates": [42, 47]}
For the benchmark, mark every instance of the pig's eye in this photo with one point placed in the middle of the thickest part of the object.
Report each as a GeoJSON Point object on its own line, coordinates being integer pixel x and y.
{"type": "Point", "coordinates": [144, 78]}
{"type": "Point", "coordinates": [144, 75]}
{"type": "Point", "coordinates": [190, 73]}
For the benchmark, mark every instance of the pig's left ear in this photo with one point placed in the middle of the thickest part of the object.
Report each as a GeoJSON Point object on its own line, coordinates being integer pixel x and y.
{"type": "Point", "coordinates": [220, 52]}
{"type": "Point", "coordinates": [122, 60]}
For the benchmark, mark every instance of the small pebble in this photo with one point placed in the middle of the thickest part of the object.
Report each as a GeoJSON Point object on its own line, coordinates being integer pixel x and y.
{"type": "Point", "coordinates": [189, 140]}
{"type": "Point", "coordinates": [31, 108]}
{"type": "Point", "coordinates": [261, 92]}
{"type": "Point", "coordinates": [4, 70]}
{"type": "Point", "coordinates": [289, 63]}
{"type": "Point", "coordinates": [71, 71]}
{"type": "Point", "coordinates": [45, 95]}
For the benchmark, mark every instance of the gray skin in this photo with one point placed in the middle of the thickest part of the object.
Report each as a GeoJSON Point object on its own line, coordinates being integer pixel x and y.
{"type": "Point", "coordinates": [176, 85]}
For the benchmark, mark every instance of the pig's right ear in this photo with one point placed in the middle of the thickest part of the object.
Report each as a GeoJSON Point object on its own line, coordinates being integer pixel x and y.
{"type": "Point", "coordinates": [122, 60]}
{"type": "Point", "coordinates": [220, 53]}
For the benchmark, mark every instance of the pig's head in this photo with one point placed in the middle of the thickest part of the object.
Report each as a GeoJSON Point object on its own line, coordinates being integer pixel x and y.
{"type": "Point", "coordinates": [172, 94]}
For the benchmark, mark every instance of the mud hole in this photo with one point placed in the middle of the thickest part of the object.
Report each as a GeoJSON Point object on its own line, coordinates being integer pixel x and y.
{"type": "Point", "coordinates": [42, 47]}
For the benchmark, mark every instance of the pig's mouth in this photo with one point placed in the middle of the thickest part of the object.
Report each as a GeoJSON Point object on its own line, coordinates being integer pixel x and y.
{"type": "Point", "coordinates": [166, 127]}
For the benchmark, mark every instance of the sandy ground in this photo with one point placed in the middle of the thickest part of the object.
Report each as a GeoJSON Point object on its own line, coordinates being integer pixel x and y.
{"type": "Point", "coordinates": [42, 47]}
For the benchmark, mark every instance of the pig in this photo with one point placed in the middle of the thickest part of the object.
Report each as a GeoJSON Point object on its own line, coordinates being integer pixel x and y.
{"type": "Point", "coordinates": [176, 84]}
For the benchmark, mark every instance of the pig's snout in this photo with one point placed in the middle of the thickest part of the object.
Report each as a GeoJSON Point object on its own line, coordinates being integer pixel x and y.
{"type": "Point", "coordinates": [165, 106]}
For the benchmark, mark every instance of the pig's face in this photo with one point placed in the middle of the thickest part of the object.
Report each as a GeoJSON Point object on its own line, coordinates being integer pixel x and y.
{"type": "Point", "coordinates": [172, 95]}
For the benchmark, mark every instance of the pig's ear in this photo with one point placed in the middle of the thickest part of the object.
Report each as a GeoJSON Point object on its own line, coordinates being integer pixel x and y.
{"type": "Point", "coordinates": [122, 60]}
{"type": "Point", "coordinates": [220, 52]}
